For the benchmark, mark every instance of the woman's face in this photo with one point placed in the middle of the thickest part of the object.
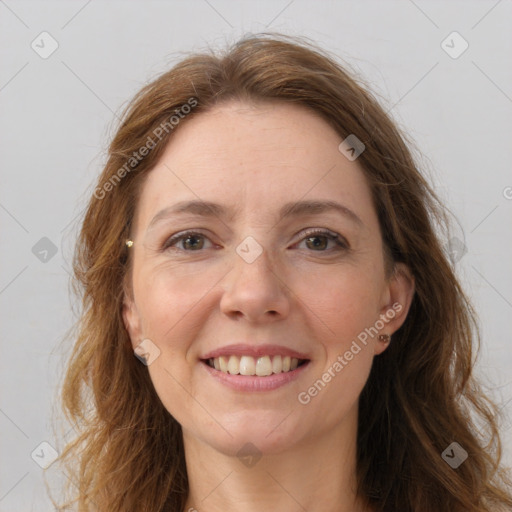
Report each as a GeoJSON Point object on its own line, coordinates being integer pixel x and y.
{"type": "Point", "coordinates": [271, 274]}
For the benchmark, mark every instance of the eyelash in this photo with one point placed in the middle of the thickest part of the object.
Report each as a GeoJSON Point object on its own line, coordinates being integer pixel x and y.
{"type": "Point", "coordinates": [341, 243]}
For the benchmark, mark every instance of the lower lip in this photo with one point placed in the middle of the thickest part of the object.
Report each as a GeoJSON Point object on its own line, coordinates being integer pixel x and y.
{"type": "Point", "coordinates": [253, 382]}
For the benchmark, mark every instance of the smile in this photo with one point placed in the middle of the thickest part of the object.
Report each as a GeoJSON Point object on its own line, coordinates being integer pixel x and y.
{"type": "Point", "coordinates": [262, 366]}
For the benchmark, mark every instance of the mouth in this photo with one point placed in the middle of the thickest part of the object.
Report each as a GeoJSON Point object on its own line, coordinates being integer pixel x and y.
{"type": "Point", "coordinates": [261, 366]}
{"type": "Point", "coordinates": [249, 367]}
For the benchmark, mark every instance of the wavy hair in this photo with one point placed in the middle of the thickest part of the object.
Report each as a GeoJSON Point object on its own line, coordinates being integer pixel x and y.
{"type": "Point", "coordinates": [421, 394]}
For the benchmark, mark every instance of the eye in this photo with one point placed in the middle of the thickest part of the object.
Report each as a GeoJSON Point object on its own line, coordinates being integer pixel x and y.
{"type": "Point", "coordinates": [192, 241]}
{"type": "Point", "coordinates": [318, 240]}
{"type": "Point", "coordinates": [315, 239]}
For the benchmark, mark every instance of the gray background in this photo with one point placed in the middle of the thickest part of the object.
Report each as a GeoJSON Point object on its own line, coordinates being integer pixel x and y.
{"type": "Point", "coordinates": [58, 114]}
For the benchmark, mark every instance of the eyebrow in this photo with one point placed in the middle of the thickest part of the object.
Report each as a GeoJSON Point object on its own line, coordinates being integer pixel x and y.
{"type": "Point", "coordinates": [295, 209]}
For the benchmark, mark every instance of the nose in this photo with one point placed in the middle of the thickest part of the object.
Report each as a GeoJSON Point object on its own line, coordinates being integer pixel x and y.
{"type": "Point", "coordinates": [256, 290]}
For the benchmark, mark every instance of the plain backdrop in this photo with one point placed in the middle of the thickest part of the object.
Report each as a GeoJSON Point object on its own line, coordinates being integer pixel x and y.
{"type": "Point", "coordinates": [57, 114]}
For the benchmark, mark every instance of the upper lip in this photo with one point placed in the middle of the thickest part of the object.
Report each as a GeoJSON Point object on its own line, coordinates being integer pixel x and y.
{"type": "Point", "coordinates": [254, 351]}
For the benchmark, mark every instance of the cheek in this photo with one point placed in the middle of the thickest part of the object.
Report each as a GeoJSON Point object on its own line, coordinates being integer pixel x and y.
{"type": "Point", "coordinates": [170, 302]}
{"type": "Point", "coordinates": [349, 308]}
{"type": "Point", "coordinates": [168, 297]}
{"type": "Point", "coordinates": [346, 304]}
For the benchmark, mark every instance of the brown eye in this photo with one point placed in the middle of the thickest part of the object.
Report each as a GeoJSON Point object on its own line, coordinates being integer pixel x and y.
{"type": "Point", "coordinates": [190, 241]}
{"type": "Point", "coordinates": [193, 242]}
{"type": "Point", "coordinates": [318, 241]}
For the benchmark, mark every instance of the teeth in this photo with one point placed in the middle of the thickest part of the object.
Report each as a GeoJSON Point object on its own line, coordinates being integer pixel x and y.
{"type": "Point", "coordinates": [223, 362]}
{"type": "Point", "coordinates": [248, 365]}
{"type": "Point", "coordinates": [277, 364]}
{"type": "Point", "coordinates": [263, 366]}
{"type": "Point", "coordinates": [233, 365]}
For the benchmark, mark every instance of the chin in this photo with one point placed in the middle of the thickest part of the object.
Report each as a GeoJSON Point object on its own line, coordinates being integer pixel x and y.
{"type": "Point", "coordinates": [255, 444]}
{"type": "Point", "coordinates": [252, 433]}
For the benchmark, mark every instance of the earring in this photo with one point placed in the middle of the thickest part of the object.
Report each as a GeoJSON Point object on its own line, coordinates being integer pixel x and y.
{"type": "Point", "coordinates": [129, 243]}
{"type": "Point", "coordinates": [385, 338]}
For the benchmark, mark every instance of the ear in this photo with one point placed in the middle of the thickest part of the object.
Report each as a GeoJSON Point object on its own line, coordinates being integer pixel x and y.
{"type": "Point", "coordinates": [131, 319]}
{"type": "Point", "coordinates": [397, 299]}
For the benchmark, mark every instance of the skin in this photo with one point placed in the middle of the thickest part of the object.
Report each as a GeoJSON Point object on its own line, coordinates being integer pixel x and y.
{"type": "Point", "coordinates": [314, 298]}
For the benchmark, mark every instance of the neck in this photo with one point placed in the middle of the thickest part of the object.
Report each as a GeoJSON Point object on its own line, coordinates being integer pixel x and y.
{"type": "Point", "coordinates": [313, 475]}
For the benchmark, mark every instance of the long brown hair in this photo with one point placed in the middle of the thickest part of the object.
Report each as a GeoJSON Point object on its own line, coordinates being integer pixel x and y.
{"type": "Point", "coordinates": [421, 395]}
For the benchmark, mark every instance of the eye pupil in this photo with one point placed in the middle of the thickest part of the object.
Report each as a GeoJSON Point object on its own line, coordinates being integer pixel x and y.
{"type": "Point", "coordinates": [192, 246]}
{"type": "Point", "coordinates": [317, 244]}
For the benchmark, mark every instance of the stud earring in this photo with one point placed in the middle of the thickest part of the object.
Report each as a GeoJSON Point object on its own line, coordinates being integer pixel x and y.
{"type": "Point", "coordinates": [129, 243]}
{"type": "Point", "coordinates": [385, 338]}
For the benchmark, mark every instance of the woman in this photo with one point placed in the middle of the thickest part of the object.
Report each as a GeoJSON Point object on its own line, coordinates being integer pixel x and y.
{"type": "Point", "coordinates": [263, 242]}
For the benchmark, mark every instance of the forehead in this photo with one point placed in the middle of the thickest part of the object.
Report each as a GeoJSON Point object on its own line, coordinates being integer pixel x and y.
{"type": "Point", "coordinates": [256, 157]}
